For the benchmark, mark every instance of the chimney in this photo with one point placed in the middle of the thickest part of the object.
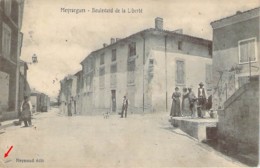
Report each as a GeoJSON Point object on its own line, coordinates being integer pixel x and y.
{"type": "Point", "coordinates": [238, 12]}
{"type": "Point", "coordinates": [104, 45]}
{"type": "Point", "coordinates": [159, 23]}
{"type": "Point", "coordinates": [112, 41]}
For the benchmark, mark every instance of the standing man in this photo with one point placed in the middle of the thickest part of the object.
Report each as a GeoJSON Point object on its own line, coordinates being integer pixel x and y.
{"type": "Point", "coordinates": [26, 111]}
{"type": "Point", "coordinates": [124, 107]}
{"type": "Point", "coordinates": [202, 100]}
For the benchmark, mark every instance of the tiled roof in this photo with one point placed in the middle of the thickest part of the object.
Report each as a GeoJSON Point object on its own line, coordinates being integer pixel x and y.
{"type": "Point", "coordinates": [239, 16]}
{"type": "Point", "coordinates": [150, 30]}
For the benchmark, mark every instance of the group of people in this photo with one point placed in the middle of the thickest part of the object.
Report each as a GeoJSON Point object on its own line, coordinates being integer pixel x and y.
{"type": "Point", "coordinates": [191, 105]}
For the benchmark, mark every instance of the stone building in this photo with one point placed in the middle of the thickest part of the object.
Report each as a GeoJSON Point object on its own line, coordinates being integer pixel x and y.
{"type": "Point", "coordinates": [11, 14]}
{"type": "Point", "coordinates": [24, 87]}
{"type": "Point", "coordinates": [146, 67]}
{"type": "Point", "coordinates": [235, 41]}
{"type": "Point", "coordinates": [236, 68]}
{"type": "Point", "coordinates": [78, 96]}
{"type": "Point", "coordinates": [40, 101]}
{"type": "Point", "coordinates": [69, 94]}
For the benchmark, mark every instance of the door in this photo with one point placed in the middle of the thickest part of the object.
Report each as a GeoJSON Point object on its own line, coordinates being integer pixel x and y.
{"type": "Point", "coordinates": [113, 92]}
{"type": "Point", "coordinates": [4, 91]}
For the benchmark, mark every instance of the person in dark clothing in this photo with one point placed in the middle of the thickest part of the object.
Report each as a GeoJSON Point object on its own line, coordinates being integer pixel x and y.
{"type": "Point", "coordinates": [176, 104]}
{"type": "Point", "coordinates": [202, 100]}
{"type": "Point", "coordinates": [26, 111]}
{"type": "Point", "coordinates": [124, 107]}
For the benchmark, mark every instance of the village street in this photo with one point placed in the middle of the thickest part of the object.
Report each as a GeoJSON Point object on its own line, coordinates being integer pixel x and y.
{"type": "Point", "coordinates": [92, 141]}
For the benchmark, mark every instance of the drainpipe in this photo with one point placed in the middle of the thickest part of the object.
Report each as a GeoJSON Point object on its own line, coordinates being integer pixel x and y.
{"type": "Point", "coordinates": [166, 81]}
{"type": "Point", "coordinates": [143, 66]}
{"type": "Point", "coordinates": [17, 74]}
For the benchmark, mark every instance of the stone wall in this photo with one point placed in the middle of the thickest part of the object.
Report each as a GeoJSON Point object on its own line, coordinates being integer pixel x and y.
{"type": "Point", "coordinates": [238, 127]}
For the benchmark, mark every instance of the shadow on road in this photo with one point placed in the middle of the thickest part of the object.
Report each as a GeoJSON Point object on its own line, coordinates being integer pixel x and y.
{"type": "Point", "coordinates": [177, 131]}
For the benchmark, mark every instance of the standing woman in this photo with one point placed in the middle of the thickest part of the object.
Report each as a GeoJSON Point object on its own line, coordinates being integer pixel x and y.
{"type": "Point", "coordinates": [176, 104]}
{"type": "Point", "coordinates": [185, 103]}
{"type": "Point", "coordinates": [193, 104]}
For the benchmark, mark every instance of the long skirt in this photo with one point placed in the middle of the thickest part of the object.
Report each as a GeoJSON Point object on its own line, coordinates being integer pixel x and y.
{"type": "Point", "coordinates": [186, 107]}
{"type": "Point", "coordinates": [176, 108]}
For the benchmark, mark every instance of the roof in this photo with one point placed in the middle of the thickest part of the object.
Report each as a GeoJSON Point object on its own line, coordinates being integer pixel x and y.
{"type": "Point", "coordinates": [153, 30]}
{"type": "Point", "coordinates": [78, 73]}
{"type": "Point", "coordinates": [33, 91]}
{"type": "Point", "coordinates": [238, 17]}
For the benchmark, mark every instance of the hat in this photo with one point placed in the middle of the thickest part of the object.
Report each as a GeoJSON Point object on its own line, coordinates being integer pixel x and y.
{"type": "Point", "coordinates": [176, 88]}
{"type": "Point", "coordinates": [201, 84]}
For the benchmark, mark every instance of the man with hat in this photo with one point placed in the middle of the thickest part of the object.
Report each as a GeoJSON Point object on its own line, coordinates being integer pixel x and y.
{"type": "Point", "coordinates": [202, 100]}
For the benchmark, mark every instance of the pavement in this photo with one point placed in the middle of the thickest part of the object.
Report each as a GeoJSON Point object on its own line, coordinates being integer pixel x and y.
{"type": "Point", "coordinates": [148, 140]}
{"type": "Point", "coordinates": [9, 123]}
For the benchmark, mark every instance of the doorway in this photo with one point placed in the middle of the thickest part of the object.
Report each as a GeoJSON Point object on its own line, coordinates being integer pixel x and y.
{"type": "Point", "coordinates": [113, 100]}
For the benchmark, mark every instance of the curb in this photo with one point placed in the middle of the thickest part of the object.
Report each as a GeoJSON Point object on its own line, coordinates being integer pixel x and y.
{"type": "Point", "coordinates": [6, 125]}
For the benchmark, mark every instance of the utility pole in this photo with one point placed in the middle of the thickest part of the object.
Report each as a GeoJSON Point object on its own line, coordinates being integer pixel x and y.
{"type": "Point", "coordinates": [166, 81]}
{"type": "Point", "coordinates": [249, 68]}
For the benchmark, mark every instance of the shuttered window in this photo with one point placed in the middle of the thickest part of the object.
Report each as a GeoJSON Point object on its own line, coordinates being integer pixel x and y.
{"type": "Point", "coordinates": [180, 72]}
{"type": "Point", "coordinates": [113, 71]}
{"type": "Point", "coordinates": [131, 72]}
{"type": "Point", "coordinates": [247, 50]}
{"type": "Point", "coordinates": [102, 59]}
{"type": "Point", "coordinates": [102, 77]}
{"type": "Point", "coordinates": [8, 7]}
{"type": "Point", "coordinates": [132, 49]}
{"type": "Point", "coordinates": [6, 41]}
{"type": "Point", "coordinates": [113, 55]}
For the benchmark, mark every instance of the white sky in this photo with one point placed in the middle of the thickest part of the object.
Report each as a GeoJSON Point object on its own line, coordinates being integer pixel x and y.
{"type": "Point", "coordinates": [46, 29]}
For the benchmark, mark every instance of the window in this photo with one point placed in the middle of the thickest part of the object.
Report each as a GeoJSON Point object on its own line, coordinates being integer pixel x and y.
{"type": "Point", "coordinates": [247, 50]}
{"type": "Point", "coordinates": [132, 49]}
{"type": "Point", "coordinates": [113, 70]}
{"type": "Point", "coordinates": [208, 74]}
{"type": "Point", "coordinates": [6, 41]}
{"type": "Point", "coordinates": [20, 41]}
{"type": "Point", "coordinates": [179, 45]}
{"type": "Point", "coordinates": [151, 62]}
{"type": "Point", "coordinates": [113, 55]}
{"type": "Point", "coordinates": [131, 72]}
{"type": "Point", "coordinates": [180, 72]}
{"type": "Point", "coordinates": [8, 7]}
{"type": "Point", "coordinates": [102, 59]}
{"type": "Point", "coordinates": [102, 77]}
{"type": "Point", "coordinates": [210, 49]}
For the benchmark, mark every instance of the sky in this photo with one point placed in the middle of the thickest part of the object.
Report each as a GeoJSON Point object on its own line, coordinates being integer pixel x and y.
{"type": "Point", "coordinates": [62, 40]}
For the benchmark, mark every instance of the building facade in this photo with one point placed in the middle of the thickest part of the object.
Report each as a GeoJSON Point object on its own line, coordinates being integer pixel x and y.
{"type": "Point", "coordinates": [69, 96]}
{"type": "Point", "coordinates": [235, 53]}
{"type": "Point", "coordinates": [40, 101]}
{"type": "Point", "coordinates": [145, 67]}
{"type": "Point", "coordinates": [24, 87]}
{"type": "Point", "coordinates": [11, 12]}
{"type": "Point", "coordinates": [236, 88]}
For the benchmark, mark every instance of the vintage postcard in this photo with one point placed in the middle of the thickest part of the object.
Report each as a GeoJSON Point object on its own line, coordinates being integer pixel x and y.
{"type": "Point", "coordinates": [131, 84]}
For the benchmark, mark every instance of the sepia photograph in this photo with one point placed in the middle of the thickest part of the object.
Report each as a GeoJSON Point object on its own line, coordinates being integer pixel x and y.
{"type": "Point", "coordinates": [129, 84]}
